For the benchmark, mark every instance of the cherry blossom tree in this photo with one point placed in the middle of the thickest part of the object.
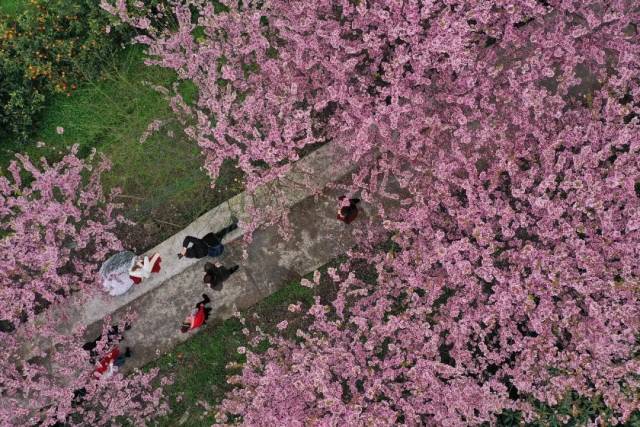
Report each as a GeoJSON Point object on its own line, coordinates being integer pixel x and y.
{"type": "Point", "coordinates": [511, 128]}
{"type": "Point", "coordinates": [56, 228]}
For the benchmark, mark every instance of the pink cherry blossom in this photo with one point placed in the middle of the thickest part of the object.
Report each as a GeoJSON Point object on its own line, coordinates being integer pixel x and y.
{"type": "Point", "coordinates": [56, 228]}
{"type": "Point", "coordinates": [497, 145]}
{"type": "Point", "coordinates": [282, 325]}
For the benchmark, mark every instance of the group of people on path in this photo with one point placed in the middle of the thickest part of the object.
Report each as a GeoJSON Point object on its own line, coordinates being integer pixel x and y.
{"type": "Point", "coordinates": [140, 268]}
{"type": "Point", "coordinates": [215, 274]}
{"type": "Point", "coordinates": [124, 270]}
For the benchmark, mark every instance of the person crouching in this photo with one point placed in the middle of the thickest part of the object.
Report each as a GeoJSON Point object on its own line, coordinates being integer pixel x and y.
{"type": "Point", "coordinates": [198, 316]}
{"type": "Point", "coordinates": [215, 274]}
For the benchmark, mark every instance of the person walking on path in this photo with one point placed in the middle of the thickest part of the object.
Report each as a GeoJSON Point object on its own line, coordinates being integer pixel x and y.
{"type": "Point", "coordinates": [215, 274]}
{"type": "Point", "coordinates": [198, 317]}
{"type": "Point", "coordinates": [348, 213]}
{"type": "Point", "coordinates": [210, 245]}
{"type": "Point", "coordinates": [143, 268]}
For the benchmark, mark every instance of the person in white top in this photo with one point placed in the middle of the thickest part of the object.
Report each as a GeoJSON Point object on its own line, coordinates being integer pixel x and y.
{"type": "Point", "coordinates": [143, 268]}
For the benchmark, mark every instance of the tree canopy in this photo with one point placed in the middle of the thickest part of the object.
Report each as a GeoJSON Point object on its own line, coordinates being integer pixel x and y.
{"type": "Point", "coordinates": [512, 126]}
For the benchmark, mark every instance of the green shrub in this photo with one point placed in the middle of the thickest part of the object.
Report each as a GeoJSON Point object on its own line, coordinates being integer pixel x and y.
{"type": "Point", "coordinates": [49, 47]}
{"type": "Point", "coordinates": [20, 107]}
{"type": "Point", "coordinates": [20, 100]}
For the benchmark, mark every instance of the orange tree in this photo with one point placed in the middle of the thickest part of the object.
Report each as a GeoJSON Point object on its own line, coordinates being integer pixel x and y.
{"type": "Point", "coordinates": [48, 48]}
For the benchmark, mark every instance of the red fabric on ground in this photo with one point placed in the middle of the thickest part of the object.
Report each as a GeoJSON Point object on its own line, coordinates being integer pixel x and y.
{"type": "Point", "coordinates": [156, 265]}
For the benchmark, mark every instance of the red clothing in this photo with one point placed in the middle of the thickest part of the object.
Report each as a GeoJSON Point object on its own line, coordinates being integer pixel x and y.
{"type": "Point", "coordinates": [156, 265]}
{"type": "Point", "coordinates": [199, 318]}
{"type": "Point", "coordinates": [106, 360]}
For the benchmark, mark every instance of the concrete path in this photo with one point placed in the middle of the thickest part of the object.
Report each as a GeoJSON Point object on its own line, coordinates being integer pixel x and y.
{"type": "Point", "coordinates": [163, 300]}
{"type": "Point", "coordinates": [272, 263]}
{"type": "Point", "coordinates": [317, 238]}
{"type": "Point", "coordinates": [312, 173]}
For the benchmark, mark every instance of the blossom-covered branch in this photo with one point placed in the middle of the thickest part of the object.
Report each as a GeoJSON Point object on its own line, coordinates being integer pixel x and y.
{"type": "Point", "coordinates": [513, 128]}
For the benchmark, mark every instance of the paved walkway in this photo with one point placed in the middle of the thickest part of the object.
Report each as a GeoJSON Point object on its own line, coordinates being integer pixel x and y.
{"type": "Point", "coordinates": [272, 263]}
{"type": "Point", "coordinates": [163, 300]}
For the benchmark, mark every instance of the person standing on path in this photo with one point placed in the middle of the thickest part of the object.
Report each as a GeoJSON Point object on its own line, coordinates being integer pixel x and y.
{"type": "Point", "coordinates": [210, 245]}
{"type": "Point", "coordinates": [348, 213]}
{"type": "Point", "coordinates": [198, 317]}
{"type": "Point", "coordinates": [215, 274]}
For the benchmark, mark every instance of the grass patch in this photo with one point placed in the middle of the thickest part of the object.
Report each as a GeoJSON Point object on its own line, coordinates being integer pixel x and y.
{"type": "Point", "coordinates": [164, 188]}
{"type": "Point", "coordinates": [201, 373]}
{"type": "Point", "coordinates": [12, 7]}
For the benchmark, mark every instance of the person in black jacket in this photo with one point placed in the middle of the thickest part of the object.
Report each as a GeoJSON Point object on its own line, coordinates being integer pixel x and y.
{"type": "Point", "coordinates": [210, 244]}
{"type": "Point", "coordinates": [216, 274]}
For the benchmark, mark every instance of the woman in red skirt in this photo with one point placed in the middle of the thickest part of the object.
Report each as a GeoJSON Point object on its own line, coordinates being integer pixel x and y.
{"type": "Point", "coordinates": [143, 268]}
{"type": "Point", "coordinates": [110, 363]}
{"type": "Point", "coordinates": [198, 317]}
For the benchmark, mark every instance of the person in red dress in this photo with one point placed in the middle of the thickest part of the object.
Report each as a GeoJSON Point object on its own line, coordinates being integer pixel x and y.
{"type": "Point", "coordinates": [348, 213]}
{"type": "Point", "coordinates": [198, 316]}
{"type": "Point", "coordinates": [105, 367]}
{"type": "Point", "coordinates": [143, 268]}
{"type": "Point", "coordinates": [110, 363]}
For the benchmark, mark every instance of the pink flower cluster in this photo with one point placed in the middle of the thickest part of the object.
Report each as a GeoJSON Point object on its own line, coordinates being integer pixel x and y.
{"type": "Point", "coordinates": [56, 227]}
{"type": "Point", "coordinates": [508, 134]}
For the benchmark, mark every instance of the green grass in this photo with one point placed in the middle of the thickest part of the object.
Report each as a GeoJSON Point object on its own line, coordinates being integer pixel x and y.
{"type": "Point", "coordinates": [200, 368]}
{"type": "Point", "coordinates": [163, 185]}
{"type": "Point", "coordinates": [12, 7]}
